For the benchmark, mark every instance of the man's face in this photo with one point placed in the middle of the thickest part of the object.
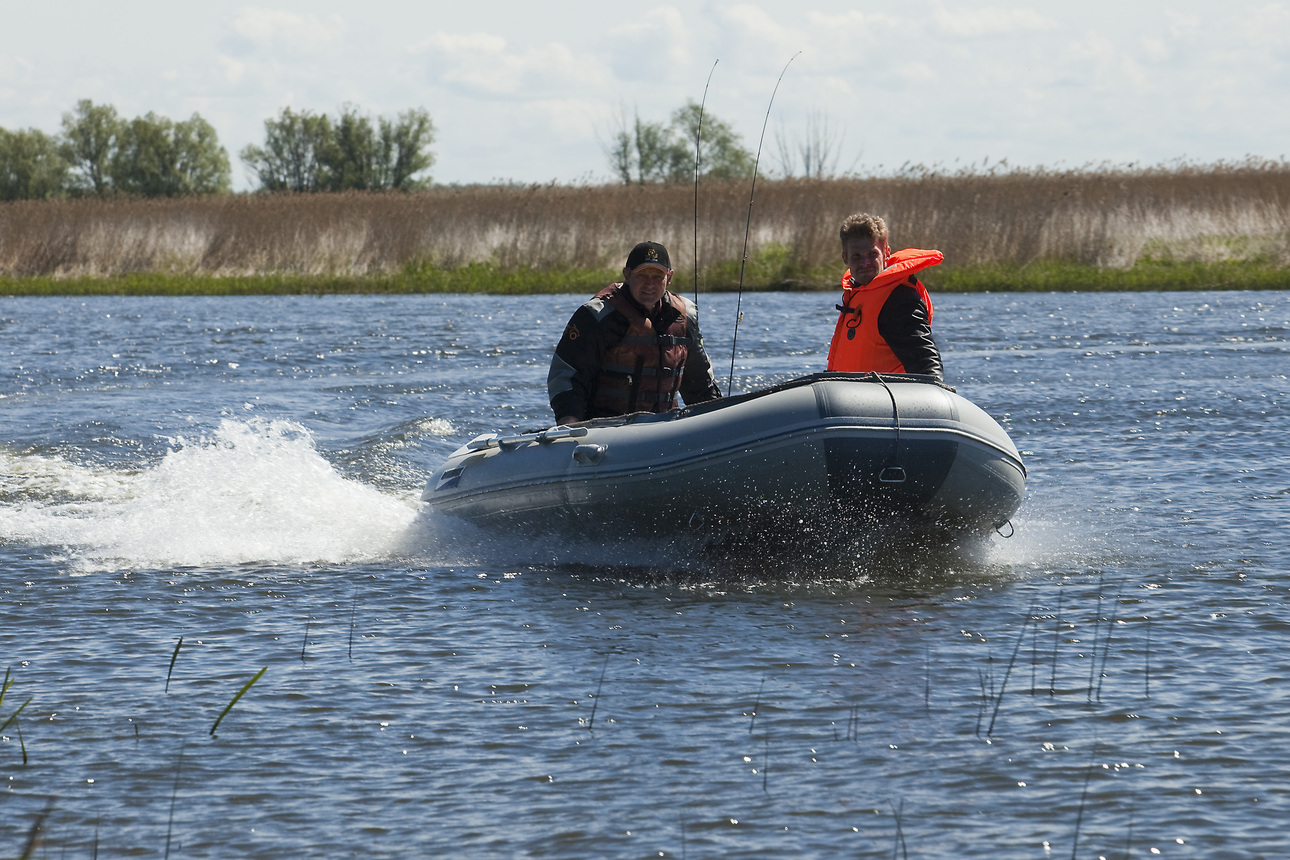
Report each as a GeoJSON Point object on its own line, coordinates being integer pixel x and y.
{"type": "Point", "coordinates": [647, 284]}
{"type": "Point", "coordinates": [866, 257]}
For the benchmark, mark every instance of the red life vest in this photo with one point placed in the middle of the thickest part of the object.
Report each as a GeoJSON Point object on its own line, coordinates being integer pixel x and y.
{"type": "Point", "coordinates": [643, 372]}
{"type": "Point", "coordinates": [857, 347]}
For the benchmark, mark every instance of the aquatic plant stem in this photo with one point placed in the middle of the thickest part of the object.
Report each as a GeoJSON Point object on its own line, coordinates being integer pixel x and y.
{"type": "Point", "coordinates": [173, 658]}
{"type": "Point", "coordinates": [33, 835]}
{"type": "Point", "coordinates": [998, 700]}
{"type": "Point", "coordinates": [1057, 637]}
{"type": "Point", "coordinates": [353, 613]}
{"type": "Point", "coordinates": [239, 695]}
{"type": "Point", "coordinates": [1083, 798]}
{"type": "Point", "coordinates": [596, 701]}
{"type": "Point", "coordinates": [927, 679]}
{"type": "Point", "coordinates": [1106, 645]}
{"type": "Point", "coordinates": [756, 705]}
{"type": "Point", "coordinates": [898, 811]}
{"type": "Point", "coordinates": [1097, 627]}
{"type": "Point", "coordinates": [174, 795]}
{"type": "Point", "coordinates": [1146, 675]}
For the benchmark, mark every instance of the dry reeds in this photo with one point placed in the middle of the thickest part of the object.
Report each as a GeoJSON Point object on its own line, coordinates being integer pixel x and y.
{"type": "Point", "coordinates": [1108, 218]}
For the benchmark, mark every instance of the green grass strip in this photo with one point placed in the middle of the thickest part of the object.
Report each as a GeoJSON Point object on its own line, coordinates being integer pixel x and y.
{"type": "Point", "coordinates": [770, 270]}
{"type": "Point", "coordinates": [240, 692]}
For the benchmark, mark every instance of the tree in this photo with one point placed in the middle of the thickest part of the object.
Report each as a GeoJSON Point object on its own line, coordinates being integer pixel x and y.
{"type": "Point", "coordinates": [295, 154]}
{"type": "Point", "coordinates": [88, 141]}
{"type": "Point", "coordinates": [405, 150]}
{"type": "Point", "coordinates": [155, 157]}
{"type": "Point", "coordinates": [721, 155]}
{"type": "Point", "coordinates": [816, 150]}
{"type": "Point", "coordinates": [351, 158]}
{"type": "Point", "coordinates": [31, 166]}
{"type": "Point", "coordinates": [653, 152]}
{"type": "Point", "coordinates": [308, 152]}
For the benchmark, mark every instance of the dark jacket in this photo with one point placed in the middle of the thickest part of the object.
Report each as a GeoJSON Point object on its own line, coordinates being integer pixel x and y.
{"type": "Point", "coordinates": [678, 363]}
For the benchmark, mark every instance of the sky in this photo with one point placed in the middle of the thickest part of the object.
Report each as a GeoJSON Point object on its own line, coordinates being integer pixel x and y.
{"type": "Point", "coordinates": [531, 92]}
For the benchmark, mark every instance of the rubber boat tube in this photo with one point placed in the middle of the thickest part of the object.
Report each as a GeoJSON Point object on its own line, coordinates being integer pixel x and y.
{"type": "Point", "coordinates": [822, 456]}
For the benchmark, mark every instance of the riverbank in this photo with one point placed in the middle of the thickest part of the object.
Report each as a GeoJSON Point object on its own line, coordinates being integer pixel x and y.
{"type": "Point", "coordinates": [1181, 228]}
{"type": "Point", "coordinates": [1146, 275]}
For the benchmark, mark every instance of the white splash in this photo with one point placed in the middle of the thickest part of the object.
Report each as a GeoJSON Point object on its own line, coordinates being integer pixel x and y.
{"type": "Point", "coordinates": [254, 491]}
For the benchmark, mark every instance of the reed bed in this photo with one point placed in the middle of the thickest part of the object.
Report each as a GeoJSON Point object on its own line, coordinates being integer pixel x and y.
{"type": "Point", "coordinates": [1019, 229]}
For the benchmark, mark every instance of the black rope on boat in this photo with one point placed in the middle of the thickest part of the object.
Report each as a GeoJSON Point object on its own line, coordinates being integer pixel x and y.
{"type": "Point", "coordinates": [1012, 530]}
{"type": "Point", "coordinates": [893, 472]}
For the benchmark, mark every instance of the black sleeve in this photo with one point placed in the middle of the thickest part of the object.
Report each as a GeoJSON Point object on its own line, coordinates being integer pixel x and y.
{"type": "Point", "coordinates": [698, 385]}
{"type": "Point", "coordinates": [903, 323]}
{"type": "Point", "coordinates": [575, 366]}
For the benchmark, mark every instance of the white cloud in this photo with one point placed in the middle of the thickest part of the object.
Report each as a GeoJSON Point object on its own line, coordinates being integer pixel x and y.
{"type": "Point", "coordinates": [275, 28]}
{"type": "Point", "coordinates": [990, 21]}
{"type": "Point", "coordinates": [651, 46]}
{"type": "Point", "coordinates": [488, 65]}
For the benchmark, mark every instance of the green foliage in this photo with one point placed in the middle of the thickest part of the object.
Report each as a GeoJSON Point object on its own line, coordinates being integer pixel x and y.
{"type": "Point", "coordinates": [307, 152]}
{"type": "Point", "coordinates": [721, 155]}
{"type": "Point", "coordinates": [31, 166]}
{"type": "Point", "coordinates": [156, 157]}
{"type": "Point", "coordinates": [652, 152]}
{"type": "Point", "coordinates": [767, 270]}
{"type": "Point", "coordinates": [405, 147]}
{"type": "Point", "coordinates": [88, 142]}
{"type": "Point", "coordinates": [294, 154]}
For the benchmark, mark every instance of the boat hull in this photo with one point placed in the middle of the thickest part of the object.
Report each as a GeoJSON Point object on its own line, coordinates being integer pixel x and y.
{"type": "Point", "coordinates": [829, 457]}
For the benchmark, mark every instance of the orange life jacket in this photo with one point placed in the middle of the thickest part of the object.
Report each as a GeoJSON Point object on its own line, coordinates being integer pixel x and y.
{"type": "Point", "coordinates": [643, 372]}
{"type": "Point", "coordinates": [857, 346]}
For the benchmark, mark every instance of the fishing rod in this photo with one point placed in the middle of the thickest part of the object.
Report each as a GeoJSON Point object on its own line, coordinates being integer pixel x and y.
{"type": "Point", "coordinates": [748, 227]}
{"type": "Point", "coordinates": [698, 135]}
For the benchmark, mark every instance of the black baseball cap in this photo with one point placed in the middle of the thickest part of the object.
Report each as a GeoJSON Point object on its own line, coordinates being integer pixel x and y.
{"type": "Point", "coordinates": [648, 254]}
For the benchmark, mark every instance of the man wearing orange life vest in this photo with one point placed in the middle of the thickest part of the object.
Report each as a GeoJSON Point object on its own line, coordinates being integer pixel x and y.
{"type": "Point", "coordinates": [885, 319]}
{"type": "Point", "coordinates": [632, 348]}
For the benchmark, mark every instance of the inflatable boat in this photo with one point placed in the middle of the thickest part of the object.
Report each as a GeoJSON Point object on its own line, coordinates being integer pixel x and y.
{"type": "Point", "coordinates": [824, 458]}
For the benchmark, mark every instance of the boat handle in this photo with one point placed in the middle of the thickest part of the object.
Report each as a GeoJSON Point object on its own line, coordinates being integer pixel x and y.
{"type": "Point", "coordinates": [892, 475]}
{"type": "Point", "coordinates": [589, 454]}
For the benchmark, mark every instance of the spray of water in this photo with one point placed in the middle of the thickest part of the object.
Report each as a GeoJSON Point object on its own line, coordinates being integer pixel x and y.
{"type": "Point", "coordinates": [251, 491]}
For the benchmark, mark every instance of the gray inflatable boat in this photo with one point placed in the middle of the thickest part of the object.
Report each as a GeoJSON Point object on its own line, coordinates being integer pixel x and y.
{"type": "Point", "coordinates": [827, 454]}
{"type": "Point", "coordinates": [821, 458]}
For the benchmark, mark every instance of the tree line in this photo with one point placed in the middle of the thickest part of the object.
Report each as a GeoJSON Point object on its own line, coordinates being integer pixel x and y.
{"type": "Point", "coordinates": [99, 153]}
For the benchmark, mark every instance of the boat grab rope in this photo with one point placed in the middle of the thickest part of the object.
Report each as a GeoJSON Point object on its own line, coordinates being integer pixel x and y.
{"type": "Point", "coordinates": [893, 472]}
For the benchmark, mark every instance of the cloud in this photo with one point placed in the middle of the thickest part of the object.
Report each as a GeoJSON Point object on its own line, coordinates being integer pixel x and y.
{"type": "Point", "coordinates": [652, 45]}
{"type": "Point", "coordinates": [482, 64]}
{"type": "Point", "coordinates": [259, 28]}
{"type": "Point", "coordinates": [990, 21]}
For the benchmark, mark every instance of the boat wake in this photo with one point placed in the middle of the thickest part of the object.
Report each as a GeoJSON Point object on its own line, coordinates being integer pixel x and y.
{"type": "Point", "coordinates": [251, 492]}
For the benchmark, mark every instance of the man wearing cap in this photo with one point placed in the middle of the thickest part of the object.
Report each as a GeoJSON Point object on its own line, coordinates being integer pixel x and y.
{"type": "Point", "coordinates": [631, 348]}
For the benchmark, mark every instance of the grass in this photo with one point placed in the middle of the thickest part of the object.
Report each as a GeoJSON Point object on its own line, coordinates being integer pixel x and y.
{"type": "Point", "coordinates": [1184, 227]}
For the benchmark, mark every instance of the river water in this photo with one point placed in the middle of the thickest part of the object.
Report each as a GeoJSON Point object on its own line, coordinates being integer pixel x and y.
{"type": "Point", "coordinates": [243, 474]}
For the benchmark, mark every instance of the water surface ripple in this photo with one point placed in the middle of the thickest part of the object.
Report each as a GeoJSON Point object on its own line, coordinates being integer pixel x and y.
{"type": "Point", "coordinates": [244, 473]}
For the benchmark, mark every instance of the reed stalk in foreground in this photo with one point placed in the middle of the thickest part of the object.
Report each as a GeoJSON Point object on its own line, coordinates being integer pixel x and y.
{"type": "Point", "coordinates": [599, 686]}
{"type": "Point", "coordinates": [239, 695]}
{"type": "Point", "coordinates": [173, 658]}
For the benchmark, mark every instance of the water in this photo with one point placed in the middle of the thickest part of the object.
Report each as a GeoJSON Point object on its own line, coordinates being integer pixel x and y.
{"type": "Point", "coordinates": [244, 472]}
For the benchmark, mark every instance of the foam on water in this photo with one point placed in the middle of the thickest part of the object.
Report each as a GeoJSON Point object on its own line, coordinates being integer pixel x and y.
{"type": "Point", "coordinates": [252, 491]}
